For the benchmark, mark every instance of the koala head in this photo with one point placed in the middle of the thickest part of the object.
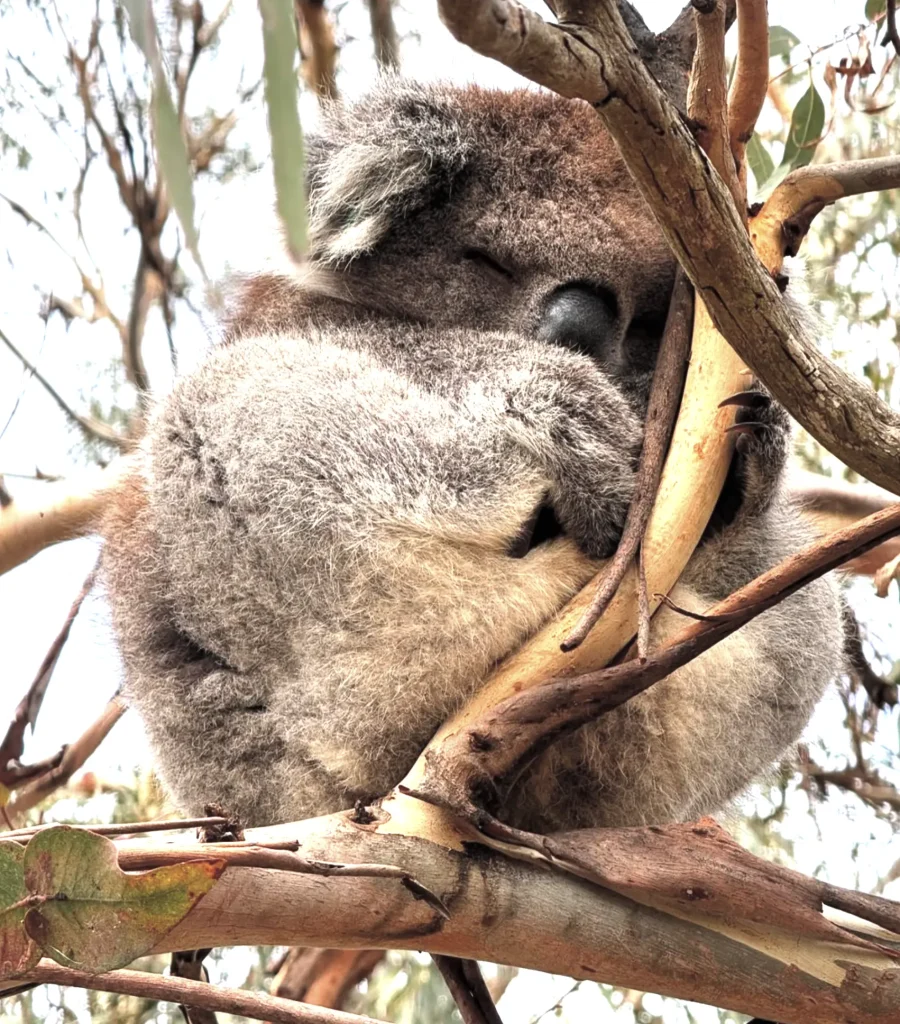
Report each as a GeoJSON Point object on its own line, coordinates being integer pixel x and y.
{"type": "Point", "coordinates": [484, 209]}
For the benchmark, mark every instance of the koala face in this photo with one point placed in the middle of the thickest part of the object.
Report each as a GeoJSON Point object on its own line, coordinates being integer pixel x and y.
{"type": "Point", "coordinates": [447, 208]}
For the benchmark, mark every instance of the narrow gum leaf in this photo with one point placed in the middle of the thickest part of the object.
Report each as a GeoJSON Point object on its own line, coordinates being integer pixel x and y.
{"type": "Point", "coordinates": [288, 162]}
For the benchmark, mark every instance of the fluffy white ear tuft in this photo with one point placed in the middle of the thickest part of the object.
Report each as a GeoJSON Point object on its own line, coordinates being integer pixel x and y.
{"type": "Point", "coordinates": [378, 162]}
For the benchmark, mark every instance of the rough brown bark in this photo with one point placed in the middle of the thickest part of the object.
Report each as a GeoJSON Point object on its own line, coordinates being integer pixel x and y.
{"type": "Point", "coordinates": [595, 59]}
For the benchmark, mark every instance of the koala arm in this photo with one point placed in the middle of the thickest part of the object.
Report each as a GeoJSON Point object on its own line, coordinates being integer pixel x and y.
{"type": "Point", "coordinates": [318, 570]}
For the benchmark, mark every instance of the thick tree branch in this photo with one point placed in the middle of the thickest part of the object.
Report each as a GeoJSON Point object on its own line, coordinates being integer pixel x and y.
{"type": "Point", "coordinates": [751, 79]}
{"type": "Point", "coordinates": [67, 509]}
{"type": "Point", "coordinates": [695, 211]}
{"type": "Point", "coordinates": [551, 921]}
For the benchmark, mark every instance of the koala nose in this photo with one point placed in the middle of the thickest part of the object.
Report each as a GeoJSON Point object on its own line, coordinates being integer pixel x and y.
{"type": "Point", "coordinates": [582, 317]}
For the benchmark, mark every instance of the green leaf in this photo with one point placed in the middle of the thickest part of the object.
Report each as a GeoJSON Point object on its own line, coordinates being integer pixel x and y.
{"type": "Point", "coordinates": [171, 151]}
{"type": "Point", "coordinates": [18, 954]}
{"type": "Point", "coordinates": [761, 163]}
{"type": "Point", "coordinates": [280, 48]}
{"type": "Point", "coordinates": [781, 42]}
{"type": "Point", "coordinates": [807, 125]}
{"type": "Point", "coordinates": [874, 8]}
{"type": "Point", "coordinates": [88, 913]}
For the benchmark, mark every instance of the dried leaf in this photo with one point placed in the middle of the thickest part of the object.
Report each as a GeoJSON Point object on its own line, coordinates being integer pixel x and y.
{"type": "Point", "coordinates": [18, 954]}
{"type": "Point", "coordinates": [90, 914]}
{"type": "Point", "coordinates": [288, 161]}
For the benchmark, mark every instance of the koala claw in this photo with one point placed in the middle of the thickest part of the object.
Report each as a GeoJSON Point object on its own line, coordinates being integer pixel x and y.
{"type": "Point", "coordinates": [748, 399]}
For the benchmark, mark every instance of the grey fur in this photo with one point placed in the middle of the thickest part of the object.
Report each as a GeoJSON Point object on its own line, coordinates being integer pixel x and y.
{"type": "Point", "coordinates": [310, 567]}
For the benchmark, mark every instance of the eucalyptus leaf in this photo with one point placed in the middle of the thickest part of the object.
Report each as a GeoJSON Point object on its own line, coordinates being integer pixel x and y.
{"type": "Point", "coordinates": [761, 163]}
{"type": "Point", "coordinates": [89, 914]}
{"type": "Point", "coordinates": [874, 8]}
{"type": "Point", "coordinates": [781, 41]}
{"type": "Point", "coordinates": [18, 953]}
{"type": "Point", "coordinates": [807, 125]}
{"type": "Point", "coordinates": [281, 86]}
{"type": "Point", "coordinates": [171, 150]}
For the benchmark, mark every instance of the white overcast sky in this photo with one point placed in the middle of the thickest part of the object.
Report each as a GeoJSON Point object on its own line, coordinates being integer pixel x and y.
{"type": "Point", "coordinates": [236, 230]}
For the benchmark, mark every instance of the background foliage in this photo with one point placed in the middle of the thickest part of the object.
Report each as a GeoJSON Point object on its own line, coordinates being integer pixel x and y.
{"type": "Point", "coordinates": [136, 170]}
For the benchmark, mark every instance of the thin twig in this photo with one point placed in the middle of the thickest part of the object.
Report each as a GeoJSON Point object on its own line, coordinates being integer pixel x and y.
{"type": "Point", "coordinates": [256, 855]}
{"type": "Point", "coordinates": [125, 829]}
{"type": "Point", "coordinates": [73, 758]}
{"type": "Point", "coordinates": [12, 772]}
{"type": "Point", "coordinates": [463, 979]}
{"type": "Point", "coordinates": [255, 1005]}
{"type": "Point", "coordinates": [662, 408]}
{"type": "Point", "coordinates": [92, 429]}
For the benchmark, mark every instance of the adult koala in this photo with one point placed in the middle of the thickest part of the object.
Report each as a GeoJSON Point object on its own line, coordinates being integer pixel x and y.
{"type": "Point", "coordinates": [401, 464]}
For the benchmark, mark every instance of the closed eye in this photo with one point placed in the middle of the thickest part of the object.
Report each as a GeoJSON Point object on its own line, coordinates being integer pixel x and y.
{"type": "Point", "coordinates": [487, 262]}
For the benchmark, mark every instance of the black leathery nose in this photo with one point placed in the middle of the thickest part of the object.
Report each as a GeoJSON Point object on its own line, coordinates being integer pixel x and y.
{"type": "Point", "coordinates": [542, 525]}
{"type": "Point", "coordinates": [580, 317]}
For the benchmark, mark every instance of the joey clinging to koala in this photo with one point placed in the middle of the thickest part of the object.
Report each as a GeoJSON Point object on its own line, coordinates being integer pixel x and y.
{"type": "Point", "coordinates": [399, 464]}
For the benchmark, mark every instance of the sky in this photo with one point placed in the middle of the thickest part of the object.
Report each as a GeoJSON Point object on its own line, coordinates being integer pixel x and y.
{"type": "Point", "coordinates": [236, 229]}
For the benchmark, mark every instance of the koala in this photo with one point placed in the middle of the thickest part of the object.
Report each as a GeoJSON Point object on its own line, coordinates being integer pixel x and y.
{"type": "Point", "coordinates": [401, 461]}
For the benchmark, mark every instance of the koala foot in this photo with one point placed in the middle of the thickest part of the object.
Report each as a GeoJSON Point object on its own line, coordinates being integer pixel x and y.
{"type": "Point", "coordinates": [763, 429]}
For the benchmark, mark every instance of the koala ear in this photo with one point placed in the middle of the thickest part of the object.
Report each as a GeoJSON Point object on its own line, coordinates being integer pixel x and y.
{"type": "Point", "coordinates": [379, 160]}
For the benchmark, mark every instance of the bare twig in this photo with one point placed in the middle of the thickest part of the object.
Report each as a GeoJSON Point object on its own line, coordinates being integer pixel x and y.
{"type": "Point", "coordinates": [662, 408]}
{"type": "Point", "coordinates": [92, 429]}
{"type": "Point", "coordinates": [73, 757]}
{"type": "Point", "coordinates": [12, 772]}
{"type": "Point", "coordinates": [124, 829]}
{"type": "Point", "coordinates": [463, 979]}
{"type": "Point", "coordinates": [255, 1005]}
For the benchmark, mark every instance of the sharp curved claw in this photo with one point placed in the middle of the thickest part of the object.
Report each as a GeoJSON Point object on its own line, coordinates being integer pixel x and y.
{"type": "Point", "coordinates": [748, 399]}
{"type": "Point", "coordinates": [750, 427]}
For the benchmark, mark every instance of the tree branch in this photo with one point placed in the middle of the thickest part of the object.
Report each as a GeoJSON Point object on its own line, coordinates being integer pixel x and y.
{"type": "Point", "coordinates": [67, 509]}
{"type": "Point", "coordinates": [255, 1005]}
{"type": "Point", "coordinates": [782, 223]}
{"type": "Point", "coordinates": [751, 80]}
{"type": "Point", "coordinates": [318, 50]}
{"type": "Point", "coordinates": [551, 921]}
{"type": "Point", "coordinates": [92, 429]}
{"type": "Point", "coordinates": [474, 760]}
{"type": "Point", "coordinates": [696, 213]}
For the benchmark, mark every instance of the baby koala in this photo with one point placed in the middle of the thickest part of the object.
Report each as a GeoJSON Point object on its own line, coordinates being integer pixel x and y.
{"type": "Point", "coordinates": [399, 464]}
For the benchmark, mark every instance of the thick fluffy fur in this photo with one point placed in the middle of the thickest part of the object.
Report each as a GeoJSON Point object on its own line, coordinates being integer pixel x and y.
{"type": "Point", "coordinates": [311, 567]}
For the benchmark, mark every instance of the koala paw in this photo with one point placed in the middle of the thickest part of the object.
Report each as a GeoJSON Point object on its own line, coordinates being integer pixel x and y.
{"type": "Point", "coordinates": [763, 429]}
